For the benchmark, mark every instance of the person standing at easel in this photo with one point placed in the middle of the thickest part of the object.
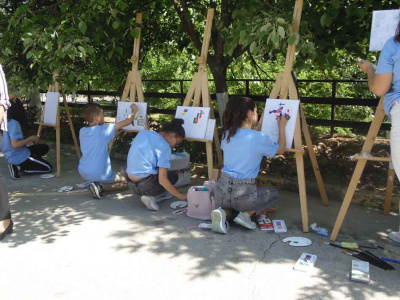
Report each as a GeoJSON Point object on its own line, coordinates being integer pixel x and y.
{"type": "Point", "coordinates": [6, 223]}
{"type": "Point", "coordinates": [385, 81]}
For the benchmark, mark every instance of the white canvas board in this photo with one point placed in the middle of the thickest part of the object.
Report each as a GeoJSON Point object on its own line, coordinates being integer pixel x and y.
{"type": "Point", "coordinates": [274, 108]}
{"type": "Point", "coordinates": [50, 108]}
{"type": "Point", "coordinates": [195, 120]}
{"type": "Point", "coordinates": [384, 24]}
{"type": "Point", "coordinates": [210, 130]}
{"type": "Point", "coordinates": [139, 121]}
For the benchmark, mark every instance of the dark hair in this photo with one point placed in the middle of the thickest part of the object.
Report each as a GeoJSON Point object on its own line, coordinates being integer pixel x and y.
{"type": "Point", "coordinates": [176, 127]}
{"type": "Point", "coordinates": [17, 112]}
{"type": "Point", "coordinates": [235, 113]}
{"type": "Point", "coordinates": [90, 110]}
{"type": "Point", "coordinates": [397, 35]}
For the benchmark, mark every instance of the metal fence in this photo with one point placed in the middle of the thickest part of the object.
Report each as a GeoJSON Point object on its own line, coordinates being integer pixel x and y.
{"type": "Point", "coordinates": [246, 90]}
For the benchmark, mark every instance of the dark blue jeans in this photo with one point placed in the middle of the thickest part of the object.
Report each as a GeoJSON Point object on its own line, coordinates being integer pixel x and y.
{"type": "Point", "coordinates": [150, 186]}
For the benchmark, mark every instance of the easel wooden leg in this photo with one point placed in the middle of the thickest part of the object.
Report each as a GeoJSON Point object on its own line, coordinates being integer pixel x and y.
{"type": "Point", "coordinates": [389, 191]}
{"type": "Point", "coordinates": [347, 198]}
{"type": "Point", "coordinates": [218, 147]}
{"type": "Point", "coordinates": [302, 190]}
{"type": "Point", "coordinates": [313, 158]}
{"type": "Point", "coordinates": [58, 150]}
{"type": "Point", "coordinates": [40, 130]}
{"type": "Point", "coordinates": [301, 176]}
{"type": "Point", "coordinates": [209, 160]}
{"type": "Point", "coordinates": [127, 87]}
{"type": "Point", "coordinates": [369, 142]}
{"type": "Point", "coordinates": [71, 125]}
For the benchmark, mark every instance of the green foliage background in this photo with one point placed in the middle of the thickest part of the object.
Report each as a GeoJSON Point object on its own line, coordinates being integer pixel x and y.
{"type": "Point", "coordinates": [91, 41]}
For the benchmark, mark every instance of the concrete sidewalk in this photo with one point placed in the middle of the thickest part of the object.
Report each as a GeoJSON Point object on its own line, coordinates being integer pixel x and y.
{"type": "Point", "coordinates": [71, 246]}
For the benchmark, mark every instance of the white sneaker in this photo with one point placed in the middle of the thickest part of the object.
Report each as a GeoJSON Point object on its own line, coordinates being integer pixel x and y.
{"type": "Point", "coordinates": [163, 196]}
{"type": "Point", "coordinates": [218, 221]}
{"type": "Point", "coordinates": [394, 236]}
{"type": "Point", "coordinates": [150, 202]}
{"type": "Point", "coordinates": [244, 220]}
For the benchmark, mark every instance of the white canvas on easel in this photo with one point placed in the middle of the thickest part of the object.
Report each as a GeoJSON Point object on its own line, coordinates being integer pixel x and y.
{"type": "Point", "coordinates": [195, 120]}
{"type": "Point", "coordinates": [140, 119]}
{"type": "Point", "coordinates": [384, 24]}
{"type": "Point", "coordinates": [275, 108]}
{"type": "Point", "coordinates": [50, 108]}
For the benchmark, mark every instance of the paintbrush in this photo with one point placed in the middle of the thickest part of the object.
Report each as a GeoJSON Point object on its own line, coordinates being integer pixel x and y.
{"type": "Point", "coordinates": [380, 247]}
{"type": "Point", "coordinates": [369, 257]}
{"type": "Point", "coordinates": [390, 267]}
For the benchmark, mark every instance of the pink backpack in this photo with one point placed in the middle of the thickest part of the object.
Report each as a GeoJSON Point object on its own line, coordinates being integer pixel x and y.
{"type": "Point", "coordinates": [200, 203]}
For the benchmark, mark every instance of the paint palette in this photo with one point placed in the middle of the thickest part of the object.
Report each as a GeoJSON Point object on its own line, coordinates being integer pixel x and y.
{"type": "Point", "coordinates": [64, 189]}
{"type": "Point", "coordinates": [47, 176]}
{"type": "Point", "coordinates": [178, 204]}
{"type": "Point", "coordinates": [297, 241]}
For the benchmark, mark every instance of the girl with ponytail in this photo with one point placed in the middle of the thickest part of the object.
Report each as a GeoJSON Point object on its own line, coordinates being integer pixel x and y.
{"type": "Point", "coordinates": [148, 160]}
{"type": "Point", "coordinates": [236, 191]}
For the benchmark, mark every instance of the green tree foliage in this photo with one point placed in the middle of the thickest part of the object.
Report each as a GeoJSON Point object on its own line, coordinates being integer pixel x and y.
{"type": "Point", "coordinates": [91, 41]}
{"type": "Point", "coordinates": [87, 41]}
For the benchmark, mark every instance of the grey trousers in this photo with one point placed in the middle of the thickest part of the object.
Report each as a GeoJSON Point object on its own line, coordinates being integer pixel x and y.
{"type": "Point", "coordinates": [243, 194]}
{"type": "Point", "coordinates": [149, 186]}
{"type": "Point", "coordinates": [5, 212]}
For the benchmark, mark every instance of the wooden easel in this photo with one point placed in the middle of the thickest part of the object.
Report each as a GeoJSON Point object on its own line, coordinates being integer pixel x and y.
{"type": "Point", "coordinates": [361, 162]}
{"type": "Point", "coordinates": [285, 86]}
{"type": "Point", "coordinates": [133, 86]}
{"type": "Point", "coordinates": [199, 92]}
{"type": "Point", "coordinates": [57, 87]}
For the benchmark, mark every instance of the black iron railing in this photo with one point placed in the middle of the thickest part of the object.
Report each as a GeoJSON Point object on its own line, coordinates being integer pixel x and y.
{"type": "Point", "coordinates": [331, 100]}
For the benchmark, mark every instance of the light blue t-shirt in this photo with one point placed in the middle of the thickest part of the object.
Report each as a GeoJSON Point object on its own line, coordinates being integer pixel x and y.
{"type": "Point", "coordinates": [149, 151]}
{"type": "Point", "coordinates": [244, 152]}
{"type": "Point", "coordinates": [389, 62]}
{"type": "Point", "coordinates": [15, 156]}
{"type": "Point", "coordinates": [95, 163]}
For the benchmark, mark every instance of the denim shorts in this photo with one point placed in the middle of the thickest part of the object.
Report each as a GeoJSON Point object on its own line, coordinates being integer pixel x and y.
{"type": "Point", "coordinates": [243, 194]}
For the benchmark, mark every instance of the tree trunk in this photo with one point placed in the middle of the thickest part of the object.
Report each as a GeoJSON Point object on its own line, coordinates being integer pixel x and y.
{"type": "Point", "coordinates": [35, 106]}
{"type": "Point", "coordinates": [221, 88]}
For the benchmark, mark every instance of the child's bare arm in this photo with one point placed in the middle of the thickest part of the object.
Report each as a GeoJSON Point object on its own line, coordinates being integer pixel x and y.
{"type": "Point", "coordinates": [128, 120]}
{"type": "Point", "coordinates": [169, 187]}
{"type": "Point", "coordinates": [21, 143]}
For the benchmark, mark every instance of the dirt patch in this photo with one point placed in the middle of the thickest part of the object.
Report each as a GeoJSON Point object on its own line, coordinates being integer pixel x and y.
{"type": "Point", "coordinates": [333, 156]}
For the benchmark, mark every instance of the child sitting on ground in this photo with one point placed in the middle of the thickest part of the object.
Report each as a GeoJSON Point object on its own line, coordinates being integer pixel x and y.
{"type": "Point", "coordinates": [236, 190]}
{"type": "Point", "coordinates": [95, 163]}
{"type": "Point", "coordinates": [148, 160]}
{"type": "Point", "coordinates": [22, 154]}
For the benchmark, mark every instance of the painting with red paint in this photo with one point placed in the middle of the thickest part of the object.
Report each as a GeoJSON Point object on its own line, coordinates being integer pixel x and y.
{"type": "Point", "coordinates": [276, 109]}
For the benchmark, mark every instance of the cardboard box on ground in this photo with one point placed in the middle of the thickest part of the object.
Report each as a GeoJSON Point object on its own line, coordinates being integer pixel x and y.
{"type": "Point", "coordinates": [180, 162]}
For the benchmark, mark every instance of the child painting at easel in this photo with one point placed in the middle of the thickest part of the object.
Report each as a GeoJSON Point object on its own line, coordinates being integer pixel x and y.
{"type": "Point", "coordinates": [22, 154]}
{"type": "Point", "coordinates": [95, 164]}
{"type": "Point", "coordinates": [236, 193]}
